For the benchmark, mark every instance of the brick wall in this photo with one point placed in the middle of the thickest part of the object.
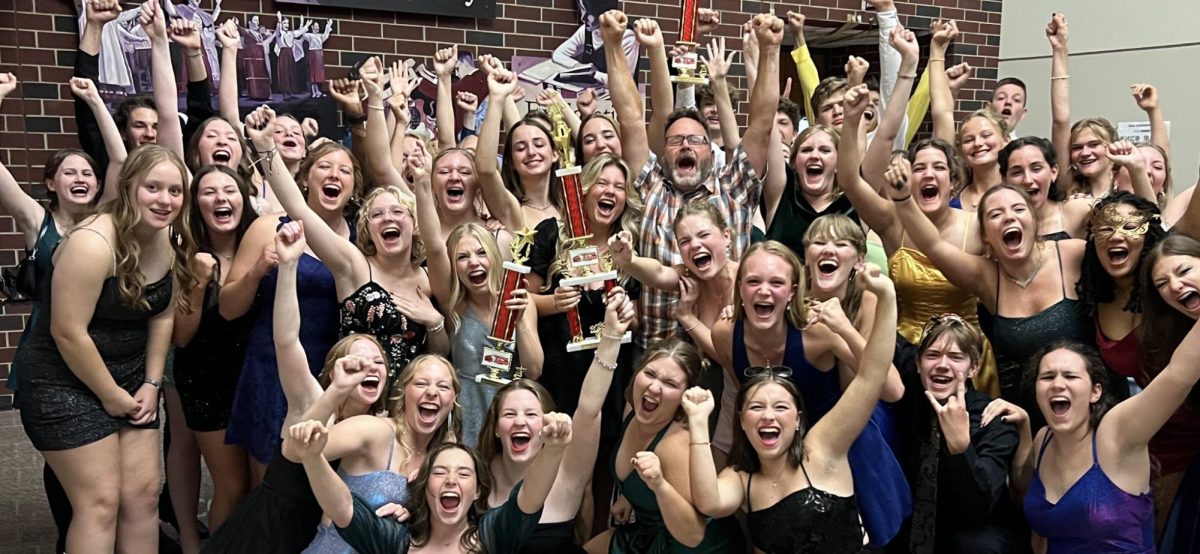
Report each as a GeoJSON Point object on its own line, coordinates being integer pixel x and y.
{"type": "Point", "coordinates": [38, 39]}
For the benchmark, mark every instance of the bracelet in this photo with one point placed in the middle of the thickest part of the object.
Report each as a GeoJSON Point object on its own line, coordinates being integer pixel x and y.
{"type": "Point", "coordinates": [694, 325]}
{"type": "Point", "coordinates": [355, 119]}
{"type": "Point", "coordinates": [197, 54]}
{"type": "Point", "coordinates": [701, 443]}
{"type": "Point", "coordinates": [1060, 77]}
{"type": "Point", "coordinates": [912, 76]}
{"type": "Point", "coordinates": [441, 326]}
{"type": "Point", "coordinates": [898, 200]}
{"type": "Point", "coordinates": [937, 59]}
{"type": "Point", "coordinates": [380, 108]}
{"type": "Point", "coordinates": [149, 381]}
{"type": "Point", "coordinates": [613, 337]}
{"type": "Point", "coordinates": [610, 367]}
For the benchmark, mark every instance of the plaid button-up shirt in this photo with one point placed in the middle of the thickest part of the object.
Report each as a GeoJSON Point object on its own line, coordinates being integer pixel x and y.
{"type": "Point", "coordinates": [735, 191]}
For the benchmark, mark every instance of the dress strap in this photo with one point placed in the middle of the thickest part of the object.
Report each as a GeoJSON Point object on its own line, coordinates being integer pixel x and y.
{"type": "Point", "coordinates": [902, 237]}
{"type": "Point", "coordinates": [1062, 281]}
{"type": "Point", "coordinates": [805, 472]}
{"type": "Point", "coordinates": [1042, 450]}
{"type": "Point", "coordinates": [657, 438]}
{"type": "Point", "coordinates": [391, 451]}
{"type": "Point", "coordinates": [106, 242]}
{"type": "Point", "coordinates": [1095, 458]}
{"type": "Point", "coordinates": [966, 231]}
{"type": "Point", "coordinates": [749, 478]}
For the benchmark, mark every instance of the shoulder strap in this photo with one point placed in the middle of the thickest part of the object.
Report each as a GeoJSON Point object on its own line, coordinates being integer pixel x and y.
{"type": "Point", "coordinates": [749, 479]}
{"type": "Point", "coordinates": [1042, 450]}
{"type": "Point", "coordinates": [658, 438]}
{"type": "Point", "coordinates": [391, 451]}
{"type": "Point", "coordinates": [1095, 459]}
{"type": "Point", "coordinates": [1062, 281]}
{"type": "Point", "coordinates": [106, 242]}
{"type": "Point", "coordinates": [805, 472]}
{"type": "Point", "coordinates": [966, 230]}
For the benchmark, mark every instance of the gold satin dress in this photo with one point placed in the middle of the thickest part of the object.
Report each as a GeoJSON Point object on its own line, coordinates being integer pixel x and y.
{"type": "Point", "coordinates": [923, 292]}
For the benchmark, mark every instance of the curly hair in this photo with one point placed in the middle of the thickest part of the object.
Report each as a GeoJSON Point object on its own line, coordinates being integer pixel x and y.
{"type": "Point", "coordinates": [420, 524]}
{"type": "Point", "coordinates": [1095, 285]}
{"type": "Point", "coordinates": [131, 284]}
{"type": "Point", "coordinates": [1096, 370]}
{"type": "Point", "coordinates": [363, 237]}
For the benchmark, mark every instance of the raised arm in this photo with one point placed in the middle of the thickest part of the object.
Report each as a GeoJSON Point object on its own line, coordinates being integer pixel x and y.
{"type": "Point", "coordinates": [713, 496]}
{"type": "Point", "coordinates": [880, 150]}
{"type": "Point", "coordinates": [114, 145]}
{"type": "Point", "coordinates": [1135, 420]}
{"type": "Point", "coordinates": [540, 476]}
{"type": "Point", "coordinates": [299, 387]}
{"type": "Point", "coordinates": [26, 212]}
{"type": "Point", "coordinates": [379, 155]}
{"type": "Point", "coordinates": [1125, 154]}
{"type": "Point", "coordinates": [631, 114]}
{"type": "Point", "coordinates": [662, 94]}
{"type": "Point", "coordinates": [1060, 92]}
{"type": "Point", "coordinates": [1146, 97]}
{"type": "Point", "coordinates": [837, 431]}
{"type": "Point", "coordinates": [974, 274]}
{"type": "Point", "coordinates": [162, 75]}
{"type": "Point", "coordinates": [98, 13]}
{"type": "Point", "coordinates": [328, 487]}
{"type": "Point", "coordinates": [941, 107]}
{"type": "Point", "coordinates": [501, 202]}
{"type": "Point", "coordinates": [764, 97]}
{"type": "Point", "coordinates": [353, 436]}
{"type": "Point", "coordinates": [877, 212]}
{"type": "Point", "coordinates": [227, 90]}
{"type": "Point", "coordinates": [338, 254]}
{"type": "Point", "coordinates": [647, 271]}
{"type": "Point", "coordinates": [441, 269]}
{"type": "Point", "coordinates": [718, 71]}
{"type": "Point", "coordinates": [805, 68]}
{"type": "Point", "coordinates": [444, 62]}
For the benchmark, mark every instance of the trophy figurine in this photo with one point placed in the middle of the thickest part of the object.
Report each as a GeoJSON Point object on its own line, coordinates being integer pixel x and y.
{"type": "Point", "coordinates": [687, 62]}
{"type": "Point", "coordinates": [498, 356]}
{"type": "Point", "coordinates": [581, 257]}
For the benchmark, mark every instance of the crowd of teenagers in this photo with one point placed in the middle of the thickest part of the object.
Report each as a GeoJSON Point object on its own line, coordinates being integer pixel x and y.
{"type": "Point", "coordinates": [845, 338]}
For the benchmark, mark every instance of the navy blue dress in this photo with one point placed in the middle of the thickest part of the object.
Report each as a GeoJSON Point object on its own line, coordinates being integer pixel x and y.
{"type": "Point", "coordinates": [883, 495]}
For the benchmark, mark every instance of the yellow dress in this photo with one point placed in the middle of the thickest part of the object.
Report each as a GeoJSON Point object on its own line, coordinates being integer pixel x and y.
{"type": "Point", "coordinates": [923, 292]}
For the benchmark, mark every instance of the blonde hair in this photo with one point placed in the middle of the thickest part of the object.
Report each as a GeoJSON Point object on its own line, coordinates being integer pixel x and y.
{"type": "Point", "coordinates": [1106, 132]}
{"type": "Point", "coordinates": [797, 312]}
{"type": "Point", "coordinates": [807, 133]}
{"type": "Point", "coordinates": [630, 219]}
{"type": "Point", "coordinates": [834, 227]}
{"type": "Point", "coordinates": [341, 349]}
{"type": "Point", "coordinates": [458, 293]}
{"type": "Point", "coordinates": [450, 430]}
{"type": "Point", "coordinates": [131, 284]}
{"type": "Point", "coordinates": [363, 237]}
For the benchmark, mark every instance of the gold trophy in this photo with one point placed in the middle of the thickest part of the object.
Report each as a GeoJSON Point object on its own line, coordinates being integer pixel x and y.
{"type": "Point", "coordinates": [687, 62]}
{"type": "Point", "coordinates": [498, 356]}
{"type": "Point", "coordinates": [581, 257]}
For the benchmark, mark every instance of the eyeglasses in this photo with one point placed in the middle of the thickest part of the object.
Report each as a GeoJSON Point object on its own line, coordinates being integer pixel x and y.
{"type": "Point", "coordinates": [692, 140]}
{"type": "Point", "coordinates": [943, 319]}
{"type": "Point", "coordinates": [782, 371]}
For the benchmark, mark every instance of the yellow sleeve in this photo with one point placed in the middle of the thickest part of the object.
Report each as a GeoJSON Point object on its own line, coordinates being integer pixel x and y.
{"type": "Point", "coordinates": [918, 106]}
{"type": "Point", "coordinates": [809, 78]}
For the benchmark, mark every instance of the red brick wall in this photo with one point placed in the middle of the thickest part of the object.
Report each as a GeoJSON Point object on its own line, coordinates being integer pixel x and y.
{"type": "Point", "coordinates": [38, 39]}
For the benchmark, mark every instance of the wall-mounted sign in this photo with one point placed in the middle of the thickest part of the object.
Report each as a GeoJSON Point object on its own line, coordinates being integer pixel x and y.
{"type": "Point", "coordinates": [477, 9]}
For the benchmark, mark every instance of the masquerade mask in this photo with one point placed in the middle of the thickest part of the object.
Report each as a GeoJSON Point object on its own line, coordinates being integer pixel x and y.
{"type": "Point", "coordinates": [1110, 221]}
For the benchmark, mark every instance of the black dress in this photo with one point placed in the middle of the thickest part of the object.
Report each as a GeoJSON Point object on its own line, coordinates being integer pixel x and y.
{"type": "Point", "coordinates": [207, 369]}
{"type": "Point", "coordinates": [371, 310]}
{"type": "Point", "coordinates": [58, 411]}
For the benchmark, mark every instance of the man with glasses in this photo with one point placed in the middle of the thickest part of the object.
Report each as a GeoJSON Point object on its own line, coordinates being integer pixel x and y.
{"type": "Point", "coordinates": [684, 172]}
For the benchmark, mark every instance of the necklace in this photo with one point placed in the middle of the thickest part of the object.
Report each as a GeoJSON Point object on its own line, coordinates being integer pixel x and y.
{"type": "Point", "coordinates": [541, 208]}
{"type": "Point", "coordinates": [1024, 283]}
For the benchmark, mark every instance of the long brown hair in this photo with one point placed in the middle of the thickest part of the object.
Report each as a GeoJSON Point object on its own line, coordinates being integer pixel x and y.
{"type": "Point", "coordinates": [797, 311]}
{"type": "Point", "coordinates": [418, 506]}
{"type": "Point", "coordinates": [742, 454]}
{"type": "Point", "coordinates": [834, 227]}
{"type": "Point", "coordinates": [1163, 327]}
{"type": "Point", "coordinates": [131, 284]}
{"type": "Point", "coordinates": [685, 354]}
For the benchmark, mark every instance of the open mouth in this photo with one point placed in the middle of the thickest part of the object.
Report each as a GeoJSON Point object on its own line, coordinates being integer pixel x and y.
{"type": "Point", "coordinates": [222, 156]}
{"type": "Point", "coordinates": [827, 267]}
{"type": "Point", "coordinates": [370, 384]}
{"type": "Point", "coordinates": [869, 115]}
{"type": "Point", "coordinates": [520, 442]}
{"type": "Point", "coordinates": [769, 436]}
{"type": "Point", "coordinates": [929, 191]}
{"type": "Point", "coordinates": [686, 163]}
{"type": "Point", "coordinates": [389, 234]}
{"type": "Point", "coordinates": [1012, 237]}
{"type": "Point", "coordinates": [331, 191]}
{"type": "Point", "coordinates": [1190, 300]}
{"type": "Point", "coordinates": [702, 260]}
{"type": "Point", "coordinates": [649, 404]}
{"type": "Point", "coordinates": [941, 379]}
{"type": "Point", "coordinates": [427, 412]}
{"type": "Point", "coordinates": [223, 214]}
{"type": "Point", "coordinates": [1118, 254]}
{"type": "Point", "coordinates": [814, 171]}
{"type": "Point", "coordinates": [1060, 405]}
{"type": "Point", "coordinates": [164, 214]}
{"type": "Point", "coordinates": [477, 276]}
{"type": "Point", "coordinates": [455, 192]}
{"type": "Point", "coordinates": [605, 207]}
{"type": "Point", "coordinates": [290, 143]}
{"type": "Point", "coordinates": [533, 163]}
{"type": "Point", "coordinates": [79, 191]}
{"type": "Point", "coordinates": [763, 309]}
{"type": "Point", "coordinates": [1006, 112]}
{"type": "Point", "coordinates": [450, 501]}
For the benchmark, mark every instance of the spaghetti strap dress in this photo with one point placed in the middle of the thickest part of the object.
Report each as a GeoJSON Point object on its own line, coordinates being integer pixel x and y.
{"type": "Point", "coordinates": [377, 488]}
{"type": "Point", "coordinates": [371, 310]}
{"type": "Point", "coordinates": [1017, 339]}
{"type": "Point", "coordinates": [1093, 515]}
{"type": "Point", "coordinates": [259, 405]}
{"type": "Point", "coordinates": [808, 521]}
{"type": "Point", "coordinates": [922, 292]}
{"type": "Point", "coordinates": [207, 369]}
{"type": "Point", "coordinates": [648, 534]}
{"type": "Point", "coordinates": [60, 412]}
{"type": "Point", "coordinates": [880, 488]}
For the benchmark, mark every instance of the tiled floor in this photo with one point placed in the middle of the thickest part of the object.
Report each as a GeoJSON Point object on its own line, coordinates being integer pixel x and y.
{"type": "Point", "coordinates": [25, 523]}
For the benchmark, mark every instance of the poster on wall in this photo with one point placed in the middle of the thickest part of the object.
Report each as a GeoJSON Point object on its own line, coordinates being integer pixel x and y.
{"type": "Point", "coordinates": [281, 59]}
{"type": "Point", "coordinates": [475, 9]}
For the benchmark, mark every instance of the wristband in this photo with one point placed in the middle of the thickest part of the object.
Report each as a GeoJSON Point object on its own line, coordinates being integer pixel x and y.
{"type": "Point", "coordinates": [356, 119]}
{"type": "Point", "coordinates": [437, 328]}
{"type": "Point", "coordinates": [149, 381]}
{"type": "Point", "coordinates": [1060, 77]}
{"type": "Point", "coordinates": [898, 200]}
